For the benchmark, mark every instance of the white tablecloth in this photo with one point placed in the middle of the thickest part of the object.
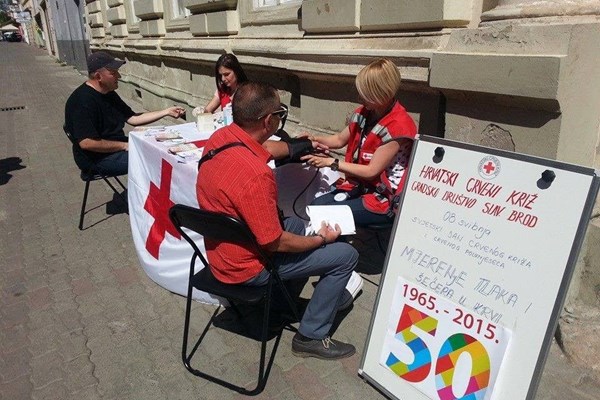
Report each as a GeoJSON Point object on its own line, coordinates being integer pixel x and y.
{"type": "Point", "coordinates": [158, 180]}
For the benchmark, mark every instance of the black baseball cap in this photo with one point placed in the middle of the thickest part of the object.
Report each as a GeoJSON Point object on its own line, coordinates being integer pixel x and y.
{"type": "Point", "coordinates": [100, 59]}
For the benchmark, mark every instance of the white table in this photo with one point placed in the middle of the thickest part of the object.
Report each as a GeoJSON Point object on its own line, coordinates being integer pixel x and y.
{"type": "Point", "coordinates": [158, 180]}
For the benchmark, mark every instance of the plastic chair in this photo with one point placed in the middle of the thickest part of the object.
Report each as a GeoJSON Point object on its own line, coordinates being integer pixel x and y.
{"type": "Point", "coordinates": [92, 174]}
{"type": "Point", "coordinates": [223, 228]}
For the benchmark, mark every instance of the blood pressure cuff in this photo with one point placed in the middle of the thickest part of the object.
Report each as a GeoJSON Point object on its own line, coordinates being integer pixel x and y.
{"type": "Point", "coordinates": [298, 147]}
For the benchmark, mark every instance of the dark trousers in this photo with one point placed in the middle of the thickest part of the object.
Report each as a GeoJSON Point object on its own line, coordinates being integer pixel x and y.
{"type": "Point", "coordinates": [334, 263]}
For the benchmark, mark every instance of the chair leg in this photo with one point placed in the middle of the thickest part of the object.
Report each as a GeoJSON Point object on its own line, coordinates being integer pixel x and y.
{"type": "Point", "coordinates": [119, 182]}
{"type": "Point", "coordinates": [264, 366]}
{"type": "Point", "coordinates": [114, 188]}
{"type": "Point", "coordinates": [287, 296]}
{"type": "Point", "coordinates": [85, 195]}
{"type": "Point", "coordinates": [383, 249]}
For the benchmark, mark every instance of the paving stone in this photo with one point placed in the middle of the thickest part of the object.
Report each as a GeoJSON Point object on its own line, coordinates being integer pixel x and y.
{"type": "Point", "coordinates": [72, 345]}
{"type": "Point", "coordinates": [40, 299]}
{"type": "Point", "coordinates": [46, 369]}
{"type": "Point", "coordinates": [306, 383]}
{"type": "Point", "coordinates": [16, 389]}
{"type": "Point", "coordinates": [88, 393]}
{"type": "Point", "coordinates": [79, 373]}
{"type": "Point", "coordinates": [12, 338]}
{"type": "Point", "coordinates": [52, 391]}
{"type": "Point", "coordinates": [43, 340]}
{"type": "Point", "coordinates": [15, 364]}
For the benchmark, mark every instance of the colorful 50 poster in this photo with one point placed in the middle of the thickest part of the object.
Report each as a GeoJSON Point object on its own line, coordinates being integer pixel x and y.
{"type": "Point", "coordinates": [442, 349]}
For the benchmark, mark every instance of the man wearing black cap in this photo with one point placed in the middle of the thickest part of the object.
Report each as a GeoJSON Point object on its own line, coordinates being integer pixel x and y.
{"type": "Point", "coordinates": [95, 115]}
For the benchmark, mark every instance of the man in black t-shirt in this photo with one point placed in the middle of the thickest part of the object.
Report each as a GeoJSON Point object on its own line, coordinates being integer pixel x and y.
{"type": "Point", "coordinates": [95, 115]}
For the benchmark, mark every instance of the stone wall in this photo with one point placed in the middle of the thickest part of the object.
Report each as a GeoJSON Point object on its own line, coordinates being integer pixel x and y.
{"type": "Point", "coordinates": [519, 75]}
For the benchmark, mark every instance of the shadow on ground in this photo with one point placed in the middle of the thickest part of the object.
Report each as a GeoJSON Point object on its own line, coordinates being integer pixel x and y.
{"type": "Point", "coordinates": [8, 165]}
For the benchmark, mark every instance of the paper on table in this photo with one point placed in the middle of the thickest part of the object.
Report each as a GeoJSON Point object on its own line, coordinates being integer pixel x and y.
{"type": "Point", "coordinates": [336, 214]}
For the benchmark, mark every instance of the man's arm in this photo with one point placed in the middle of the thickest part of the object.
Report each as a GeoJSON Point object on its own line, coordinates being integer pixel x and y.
{"type": "Point", "coordinates": [291, 243]}
{"type": "Point", "coordinates": [103, 146]}
{"type": "Point", "coordinates": [277, 148]}
{"type": "Point", "coordinates": [280, 149]}
{"type": "Point", "coordinates": [151, 116]}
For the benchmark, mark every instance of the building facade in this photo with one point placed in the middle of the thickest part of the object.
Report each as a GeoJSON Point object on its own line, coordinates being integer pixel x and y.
{"type": "Point", "coordinates": [519, 75]}
{"type": "Point", "coordinates": [59, 26]}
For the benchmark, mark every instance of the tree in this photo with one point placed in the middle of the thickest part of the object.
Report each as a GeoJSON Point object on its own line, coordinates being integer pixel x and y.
{"type": "Point", "coordinates": [4, 18]}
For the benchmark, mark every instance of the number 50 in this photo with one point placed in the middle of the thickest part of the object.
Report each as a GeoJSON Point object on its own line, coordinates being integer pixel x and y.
{"type": "Point", "coordinates": [446, 360]}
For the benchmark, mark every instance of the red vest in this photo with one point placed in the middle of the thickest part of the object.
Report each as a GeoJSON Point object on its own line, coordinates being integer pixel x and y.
{"type": "Point", "coordinates": [224, 98]}
{"type": "Point", "coordinates": [396, 124]}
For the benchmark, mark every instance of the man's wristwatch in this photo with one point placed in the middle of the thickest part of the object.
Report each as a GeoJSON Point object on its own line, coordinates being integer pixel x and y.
{"type": "Point", "coordinates": [335, 165]}
{"type": "Point", "coordinates": [324, 241]}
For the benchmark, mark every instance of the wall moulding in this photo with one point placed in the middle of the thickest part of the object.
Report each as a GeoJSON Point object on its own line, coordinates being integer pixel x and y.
{"type": "Point", "coordinates": [153, 27]}
{"type": "Point", "coordinates": [119, 31]}
{"type": "Point", "coordinates": [514, 9]}
{"type": "Point", "coordinates": [201, 6]}
{"type": "Point", "coordinates": [377, 15]}
{"type": "Point", "coordinates": [114, 3]}
{"type": "Point", "coordinates": [143, 44]}
{"type": "Point", "coordinates": [342, 56]}
{"type": "Point", "coordinates": [116, 15]}
{"type": "Point", "coordinates": [93, 7]}
{"type": "Point", "coordinates": [95, 20]}
{"type": "Point", "coordinates": [148, 9]}
{"type": "Point", "coordinates": [535, 76]}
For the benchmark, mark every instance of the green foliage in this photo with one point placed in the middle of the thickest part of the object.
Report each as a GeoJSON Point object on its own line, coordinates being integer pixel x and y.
{"type": "Point", "coordinates": [4, 18]}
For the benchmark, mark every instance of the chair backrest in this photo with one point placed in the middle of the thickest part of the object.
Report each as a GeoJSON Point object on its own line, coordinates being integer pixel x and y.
{"type": "Point", "coordinates": [91, 169]}
{"type": "Point", "coordinates": [213, 225]}
{"type": "Point", "coordinates": [69, 135]}
{"type": "Point", "coordinates": [74, 142]}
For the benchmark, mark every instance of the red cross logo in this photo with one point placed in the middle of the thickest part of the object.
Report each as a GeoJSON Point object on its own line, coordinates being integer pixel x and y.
{"type": "Point", "coordinates": [489, 167]}
{"type": "Point", "coordinates": [158, 204]}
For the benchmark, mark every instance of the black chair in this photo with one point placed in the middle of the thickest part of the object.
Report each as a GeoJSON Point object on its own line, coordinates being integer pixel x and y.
{"type": "Point", "coordinates": [223, 228]}
{"type": "Point", "coordinates": [379, 230]}
{"type": "Point", "coordinates": [90, 175]}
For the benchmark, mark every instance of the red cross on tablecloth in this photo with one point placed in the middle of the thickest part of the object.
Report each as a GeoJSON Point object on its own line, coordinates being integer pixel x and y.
{"type": "Point", "coordinates": [158, 204]}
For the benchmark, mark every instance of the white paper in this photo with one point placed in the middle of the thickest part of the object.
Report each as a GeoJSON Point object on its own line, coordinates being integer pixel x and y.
{"type": "Point", "coordinates": [336, 214]}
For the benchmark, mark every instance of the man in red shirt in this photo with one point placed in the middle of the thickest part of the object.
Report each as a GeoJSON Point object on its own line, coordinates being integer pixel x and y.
{"type": "Point", "coordinates": [238, 182]}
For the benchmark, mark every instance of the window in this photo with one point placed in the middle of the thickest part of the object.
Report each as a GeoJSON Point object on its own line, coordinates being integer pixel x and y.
{"type": "Point", "coordinates": [269, 12]}
{"type": "Point", "coordinates": [270, 3]}
{"type": "Point", "coordinates": [179, 10]}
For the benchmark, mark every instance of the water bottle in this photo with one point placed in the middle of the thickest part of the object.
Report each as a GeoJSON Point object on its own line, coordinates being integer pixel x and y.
{"type": "Point", "coordinates": [227, 114]}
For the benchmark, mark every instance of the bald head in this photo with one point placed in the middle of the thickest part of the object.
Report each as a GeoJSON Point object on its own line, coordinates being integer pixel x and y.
{"type": "Point", "coordinates": [252, 101]}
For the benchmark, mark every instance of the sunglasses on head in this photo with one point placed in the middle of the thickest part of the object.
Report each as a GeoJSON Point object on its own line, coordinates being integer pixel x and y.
{"type": "Point", "coordinates": [282, 112]}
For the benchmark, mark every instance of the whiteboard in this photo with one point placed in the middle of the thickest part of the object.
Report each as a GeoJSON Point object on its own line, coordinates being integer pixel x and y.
{"type": "Point", "coordinates": [484, 248]}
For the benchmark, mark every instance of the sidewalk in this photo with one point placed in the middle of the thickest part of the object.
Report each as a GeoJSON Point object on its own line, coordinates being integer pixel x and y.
{"type": "Point", "coordinates": [79, 319]}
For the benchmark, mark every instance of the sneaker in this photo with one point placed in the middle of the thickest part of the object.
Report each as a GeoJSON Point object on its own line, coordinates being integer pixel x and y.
{"type": "Point", "coordinates": [354, 285]}
{"type": "Point", "coordinates": [325, 349]}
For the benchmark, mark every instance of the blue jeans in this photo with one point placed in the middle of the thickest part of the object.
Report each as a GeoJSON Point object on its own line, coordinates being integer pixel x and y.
{"type": "Point", "coordinates": [362, 216]}
{"type": "Point", "coordinates": [334, 263]}
{"type": "Point", "coordinates": [114, 164]}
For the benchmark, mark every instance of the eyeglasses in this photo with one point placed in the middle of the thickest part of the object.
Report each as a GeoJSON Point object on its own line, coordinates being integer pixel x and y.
{"type": "Point", "coordinates": [282, 113]}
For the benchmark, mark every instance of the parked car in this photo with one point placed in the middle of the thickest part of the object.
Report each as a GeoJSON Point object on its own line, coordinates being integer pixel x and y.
{"type": "Point", "coordinates": [12, 36]}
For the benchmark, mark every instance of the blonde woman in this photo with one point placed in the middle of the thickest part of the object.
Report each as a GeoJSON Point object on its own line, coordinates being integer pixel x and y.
{"type": "Point", "coordinates": [379, 139]}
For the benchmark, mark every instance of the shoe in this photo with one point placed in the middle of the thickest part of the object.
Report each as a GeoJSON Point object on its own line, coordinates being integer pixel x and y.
{"type": "Point", "coordinates": [325, 349]}
{"type": "Point", "coordinates": [345, 301]}
{"type": "Point", "coordinates": [354, 285]}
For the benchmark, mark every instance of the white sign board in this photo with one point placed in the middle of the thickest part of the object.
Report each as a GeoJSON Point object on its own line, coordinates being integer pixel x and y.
{"type": "Point", "coordinates": [479, 263]}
